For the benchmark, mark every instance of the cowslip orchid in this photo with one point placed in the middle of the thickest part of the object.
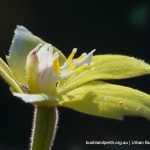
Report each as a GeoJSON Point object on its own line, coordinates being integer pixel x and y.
{"type": "Point", "coordinates": [38, 73]}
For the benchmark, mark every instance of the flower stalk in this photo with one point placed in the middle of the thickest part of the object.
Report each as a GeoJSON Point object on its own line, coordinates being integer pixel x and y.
{"type": "Point", "coordinates": [44, 128]}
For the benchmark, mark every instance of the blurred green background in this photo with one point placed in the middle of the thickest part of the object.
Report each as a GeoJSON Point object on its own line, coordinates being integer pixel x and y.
{"type": "Point", "coordinates": [116, 27]}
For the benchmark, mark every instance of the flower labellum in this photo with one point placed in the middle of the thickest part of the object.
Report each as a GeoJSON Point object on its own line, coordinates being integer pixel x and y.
{"type": "Point", "coordinates": [43, 68]}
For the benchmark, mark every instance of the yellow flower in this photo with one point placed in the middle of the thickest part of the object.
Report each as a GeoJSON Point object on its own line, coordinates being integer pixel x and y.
{"type": "Point", "coordinates": [40, 74]}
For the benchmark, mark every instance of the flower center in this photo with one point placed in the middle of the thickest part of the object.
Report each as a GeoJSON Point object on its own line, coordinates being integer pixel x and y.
{"type": "Point", "coordinates": [43, 69]}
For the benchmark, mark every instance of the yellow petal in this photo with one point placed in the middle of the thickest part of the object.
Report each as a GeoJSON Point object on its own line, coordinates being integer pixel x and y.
{"type": "Point", "coordinates": [107, 67]}
{"type": "Point", "coordinates": [107, 100]}
{"type": "Point", "coordinates": [11, 82]}
{"type": "Point", "coordinates": [5, 67]}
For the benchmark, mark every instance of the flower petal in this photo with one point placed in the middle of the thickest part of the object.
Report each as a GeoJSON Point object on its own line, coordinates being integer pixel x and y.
{"type": "Point", "coordinates": [23, 42]}
{"type": "Point", "coordinates": [6, 68]}
{"type": "Point", "coordinates": [39, 99]}
{"type": "Point", "coordinates": [107, 100]}
{"type": "Point", "coordinates": [106, 67]}
{"type": "Point", "coordinates": [4, 73]}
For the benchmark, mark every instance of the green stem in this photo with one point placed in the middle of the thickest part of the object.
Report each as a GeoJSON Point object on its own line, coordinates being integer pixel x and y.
{"type": "Point", "coordinates": [44, 128]}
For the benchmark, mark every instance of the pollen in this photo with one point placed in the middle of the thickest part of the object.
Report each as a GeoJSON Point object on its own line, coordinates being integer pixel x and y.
{"type": "Point", "coordinates": [72, 66]}
{"type": "Point", "coordinates": [82, 56]}
{"type": "Point", "coordinates": [81, 68]}
{"type": "Point", "coordinates": [56, 65]}
{"type": "Point", "coordinates": [69, 59]}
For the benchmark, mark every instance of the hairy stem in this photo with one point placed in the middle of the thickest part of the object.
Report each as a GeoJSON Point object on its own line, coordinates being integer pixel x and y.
{"type": "Point", "coordinates": [44, 128]}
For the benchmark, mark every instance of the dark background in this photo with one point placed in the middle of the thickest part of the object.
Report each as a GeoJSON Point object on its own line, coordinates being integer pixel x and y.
{"type": "Point", "coordinates": [117, 27]}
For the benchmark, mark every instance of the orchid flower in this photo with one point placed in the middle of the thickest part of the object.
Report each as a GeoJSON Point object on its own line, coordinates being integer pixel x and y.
{"type": "Point", "coordinates": [39, 74]}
